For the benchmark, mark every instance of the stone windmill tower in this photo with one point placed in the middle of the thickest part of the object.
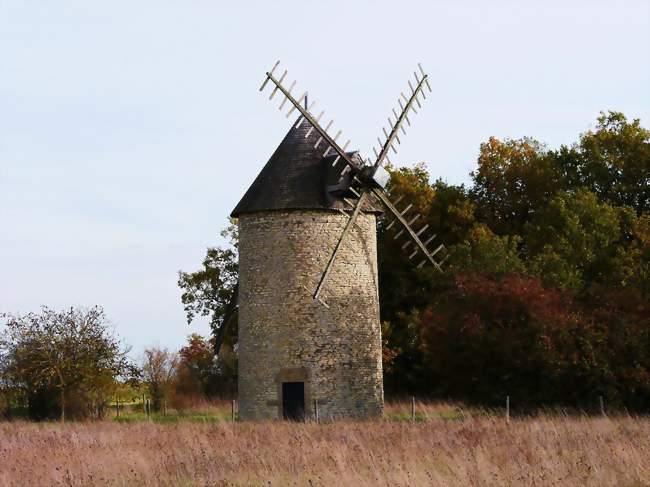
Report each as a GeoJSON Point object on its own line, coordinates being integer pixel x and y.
{"type": "Point", "coordinates": [309, 330]}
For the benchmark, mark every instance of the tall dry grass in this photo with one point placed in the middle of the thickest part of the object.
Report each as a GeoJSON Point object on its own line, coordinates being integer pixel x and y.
{"type": "Point", "coordinates": [476, 450]}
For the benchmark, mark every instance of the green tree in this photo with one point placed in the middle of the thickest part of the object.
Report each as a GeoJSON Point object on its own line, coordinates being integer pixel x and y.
{"type": "Point", "coordinates": [451, 213]}
{"type": "Point", "coordinates": [631, 265]}
{"type": "Point", "coordinates": [574, 240]}
{"type": "Point", "coordinates": [62, 358]}
{"type": "Point", "coordinates": [514, 179]}
{"type": "Point", "coordinates": [613, 161]}
{"type": "Point", "coordinates": [406, 287]}
{"type": "Point", "coordinates": [483, 251]}
{"type": "Point", "coordinates": [207, 291]}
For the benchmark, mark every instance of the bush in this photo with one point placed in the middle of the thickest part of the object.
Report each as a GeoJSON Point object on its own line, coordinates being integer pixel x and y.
{"type": "Point", "coordinates": [62, 363]}
{"type": "Point", "coordinates": [487, 337]}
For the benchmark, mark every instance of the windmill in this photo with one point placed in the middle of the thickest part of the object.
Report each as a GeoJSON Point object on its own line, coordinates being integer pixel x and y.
{"type": "Point", "coordinates": [369, 178]}
{"type": "Point", "coordinates": [307, 298]}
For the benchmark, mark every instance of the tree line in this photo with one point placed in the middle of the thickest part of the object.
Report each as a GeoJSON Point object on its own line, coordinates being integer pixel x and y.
{"type": "Point", "coordinates": [545, 295]}
{"type": "Point", "coordinates": [547, 276]}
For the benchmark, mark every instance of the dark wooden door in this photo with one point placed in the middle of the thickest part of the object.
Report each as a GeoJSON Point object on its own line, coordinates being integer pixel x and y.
{"type": "Point", "coordinates": [293, 401]}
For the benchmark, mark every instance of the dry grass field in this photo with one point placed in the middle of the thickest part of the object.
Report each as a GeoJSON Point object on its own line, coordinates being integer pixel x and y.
{"type": "Point", "coordinates": [443, 447]}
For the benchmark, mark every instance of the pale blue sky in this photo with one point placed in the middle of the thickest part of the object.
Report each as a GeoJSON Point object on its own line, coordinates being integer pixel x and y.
{"type": "Point", "coordinates": [129, 129]}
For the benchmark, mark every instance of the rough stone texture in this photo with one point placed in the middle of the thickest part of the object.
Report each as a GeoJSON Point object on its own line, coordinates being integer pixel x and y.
{"type": "Point", "coordinates": [284, 335]}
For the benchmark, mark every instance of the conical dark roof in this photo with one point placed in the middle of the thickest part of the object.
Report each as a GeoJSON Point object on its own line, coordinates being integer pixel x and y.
{"type": "Point", "coordinates": [295, 178]}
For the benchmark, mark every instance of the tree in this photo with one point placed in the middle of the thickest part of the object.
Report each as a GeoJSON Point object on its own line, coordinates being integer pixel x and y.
{"type": "Point", "coordinates": [483, 251]}
{"type": "Point", "coordinates": [158, 370]}
{"type": "Point", "coordinates": [58, 358]}
{"type": "Point", "coordinates": [613, 161]}
{"type": "Point", "coordinates": [631, 266]}
{"type": "Point", "coordinates": [574, 240]}
{"type": "Point", "coordinates": [622, 373]}
{"type": "Point", "coordinates": [406, 287]}
{"type": "Point", "coordinates": [487, 337]}
{"type": "Point", "coordinates": [514, 179]}
{"type": "Point", "coordinates": [200, 372]}
{"type": "Point", "coordinates": [403, 287]}
{"type": "Point", "coordinates": [208, 291]}
{"type": "Point", "coordinates": [452, 213]}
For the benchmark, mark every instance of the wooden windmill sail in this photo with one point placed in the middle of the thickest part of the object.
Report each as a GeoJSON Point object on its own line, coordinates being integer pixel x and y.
{"type": "Point", "coordinates": [361, 177]}
{"type": "Point", "coordinates": [355, 184]}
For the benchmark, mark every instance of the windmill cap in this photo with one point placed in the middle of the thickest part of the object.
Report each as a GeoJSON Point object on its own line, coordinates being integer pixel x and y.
{"type": "Point", "coordinates": [296, 177]}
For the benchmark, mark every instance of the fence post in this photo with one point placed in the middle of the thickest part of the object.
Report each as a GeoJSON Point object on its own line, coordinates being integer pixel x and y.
{"type": "Point", "coordinates": [412, 408]}
{"type": "Point", "coordinates": [117, 406]}
{"type": "Point", "coordinates": [164, 407]}
{"type": "Point", "coordinates": [507, 409]}
{"type": "Point", "coordinates": [316, 411]}
{"type": "Point", "coordinates": [232, 410]}
{"type": "Point", "coordinates": [602, 405]}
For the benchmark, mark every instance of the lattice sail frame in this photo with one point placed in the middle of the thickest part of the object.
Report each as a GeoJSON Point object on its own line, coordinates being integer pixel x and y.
{"type": "Point", "coordinates": [369, 178]}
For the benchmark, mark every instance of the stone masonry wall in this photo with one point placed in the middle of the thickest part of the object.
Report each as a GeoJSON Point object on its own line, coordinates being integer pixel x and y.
{"type": "Point", "coordinates": [284, 335]}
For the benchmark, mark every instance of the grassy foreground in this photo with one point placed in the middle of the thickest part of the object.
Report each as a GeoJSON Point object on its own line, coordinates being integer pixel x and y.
{"type": "Point", "coordinates": [443, 448]}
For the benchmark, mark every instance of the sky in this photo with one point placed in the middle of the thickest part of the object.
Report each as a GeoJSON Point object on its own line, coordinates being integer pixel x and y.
{"type": "Point", "coordinates": [129, 130]}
